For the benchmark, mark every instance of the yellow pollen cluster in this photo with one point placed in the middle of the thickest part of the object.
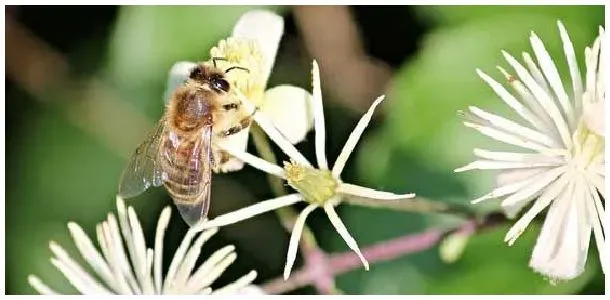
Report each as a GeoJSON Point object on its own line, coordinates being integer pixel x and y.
{"type": "Point", "coordinates": [243, 53]}
{"type": "Point", "coordinates": [316, 186]}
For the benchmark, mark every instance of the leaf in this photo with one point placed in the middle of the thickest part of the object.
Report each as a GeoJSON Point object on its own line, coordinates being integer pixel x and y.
{"type": "Point", "coordinates": [453, 15]}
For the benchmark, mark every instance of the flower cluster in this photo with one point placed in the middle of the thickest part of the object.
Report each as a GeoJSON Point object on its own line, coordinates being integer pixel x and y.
{"type": "Point", "coordinates": [320, 187]}
{"type": "Point", "coordinates": [138, 269]}
{"type": "Point", "coordinates": [253, 46]}
{"type": "Point", "coordinates": [564, 169]}
{"type": "Point", "coordinates": [284, 113]}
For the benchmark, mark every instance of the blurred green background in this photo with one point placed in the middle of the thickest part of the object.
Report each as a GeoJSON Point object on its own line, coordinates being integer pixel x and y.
{"type": "Point", "coordinates": [72, 121]}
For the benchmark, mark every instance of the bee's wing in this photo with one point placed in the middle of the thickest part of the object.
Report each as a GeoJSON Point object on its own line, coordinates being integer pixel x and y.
{"type": "Point", "coordinates": [143, 170]}
{"type": "Point", "coordinates": [197, 183]}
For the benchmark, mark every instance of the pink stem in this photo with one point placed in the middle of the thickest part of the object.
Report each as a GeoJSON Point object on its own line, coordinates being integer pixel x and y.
{"type": "Point", "coordinates": [321, 268]}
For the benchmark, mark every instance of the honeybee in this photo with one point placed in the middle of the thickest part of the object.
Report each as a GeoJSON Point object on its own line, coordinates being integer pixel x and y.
{"type": "Point", "coordinates": [178, 152]}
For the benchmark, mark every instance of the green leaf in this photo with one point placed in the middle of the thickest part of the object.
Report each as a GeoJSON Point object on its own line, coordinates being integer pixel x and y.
{"type": "Point", "coordinates": [453, 15]}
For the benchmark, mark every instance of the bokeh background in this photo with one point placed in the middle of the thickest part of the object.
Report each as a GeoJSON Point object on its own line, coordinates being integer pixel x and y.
{"type": "Point", "coordinates": [84, 84]}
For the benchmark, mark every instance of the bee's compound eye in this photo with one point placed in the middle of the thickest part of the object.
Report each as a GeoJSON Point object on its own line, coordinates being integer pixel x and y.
{"type": "Point", "coordinates": [220, 84]}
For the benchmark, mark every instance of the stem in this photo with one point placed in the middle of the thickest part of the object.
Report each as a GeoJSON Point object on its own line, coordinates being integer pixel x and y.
{"type": "Point", "coordinates": [264, 149]}
{"type": "Point", "coordinates": [325, 267]}
{"type": "Point", "coordinates": [286, 215]}
{"type": "Point", "coordinates": [417, 204]}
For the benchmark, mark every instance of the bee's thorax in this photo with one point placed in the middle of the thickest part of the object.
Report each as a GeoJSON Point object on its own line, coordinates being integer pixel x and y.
{"type": "Point", "coordinates": [190, 109]}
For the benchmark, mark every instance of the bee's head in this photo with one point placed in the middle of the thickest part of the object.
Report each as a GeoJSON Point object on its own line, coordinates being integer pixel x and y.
{"type": "Point", "coordinates": [210, 76]}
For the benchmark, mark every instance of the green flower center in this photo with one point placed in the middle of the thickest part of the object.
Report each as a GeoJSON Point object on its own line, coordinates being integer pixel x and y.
{"type": "Point", "coordinates": [317, 186]}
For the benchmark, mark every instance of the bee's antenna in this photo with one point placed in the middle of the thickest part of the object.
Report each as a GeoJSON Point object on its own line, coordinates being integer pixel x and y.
{"type": "Point", "coordinates": [214, 59]}
{"type": "Point", "coordinates": [236, 67]}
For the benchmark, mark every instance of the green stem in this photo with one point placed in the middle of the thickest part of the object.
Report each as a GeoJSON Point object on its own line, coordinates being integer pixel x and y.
{"type": "Point", "coordinates": [417, 204]}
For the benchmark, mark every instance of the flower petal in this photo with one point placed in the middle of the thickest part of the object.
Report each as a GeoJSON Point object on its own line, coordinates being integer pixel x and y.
{"type": "Point", "coordinates": [593, 115]}
{"type": "Point", "coordinates": [601, 72]}
{"type": "Point", "coordinates": [158, 259]}
{"type": "Point", "coordinates": [591, 62]}
{"type": "Point", "coordinates": [241, 286]}
{"type": "Point", "coordinates": [290, 109]}
{"type": "Point", "coordinates": [511, 127]}
{"type": "Point", "coordinates": [179, 256]}
{"type": "Point", "coordinates": [139, 246]}
{"type": "Point", "coordinates": [539, 185]}
{"type": "Point", "coordinates": [252, 160]}
{"type": "Point", "coordinates": [216, 271]}
{"type": "Point", "coordinates": [532, 103]}
{"type": "Point", "coordinates": [511, 181]}
{"type": "Point", "coordinates": [517, 157]}
{"type": "Point", "coordinates": [552, 75]}
{"type": "Point", "coordinates": [509, 138]}
{"type": "Point", "coordinates": [200, 280]}
{"type": "Point", "coordinates": [318, 110]}
{"type": "Point", "coordinates": [535, 71]}
{"type": "Point", "coordinates": [596, 214]}
{"type": "Point", "coordinates": [111, 244]}
{"type": "Point", "coordinates": [495, 165]}
{"type": "Point", "coordinates": [39, 286]}
{"type": "Point", "coordinates": [354, 137]}
{"type": "Point", "coordinates": [95, 259]}
{"type": "Point", "coordinates": [594, 96]}
{"type": "Point", "coordinates": [178, 74]}
{"type": "Point", "coordinates": [568, 49]}
{"type": "Point", "coordinates": [543, 98]}
{"type": "Point", "coordinates": [252, 210]}
{"type": "Point", "coordinates": [342, 231]}
{"type": "Point", "coordinates": [188, 263]}
{"type": "Point", "coordinates": [76, 275]}
{"type": "Point", "coordinates": [279, 139]}
{"type": "Point", "coordinates": [250, 290]}
{"type": "Point", "coordinates": [599, 182]}
{"type": "Point", "coordinates": [559, 253]}
{"type": "Point", "coordinates": [266, 28]}
{"type": "Point", "coordinates": [511, 101]}
{"type": "Point", "coordinates": [295, 236]}
{"type": "Point", "coordinates": [360, 191]}
{"type": "Point", "coordinates": [549, 194]}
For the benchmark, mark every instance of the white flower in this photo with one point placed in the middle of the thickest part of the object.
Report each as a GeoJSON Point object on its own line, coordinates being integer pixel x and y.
{"type": "Point", "coordinates": [319, 187]}
{"type": "Point", "coordinates": [565, 171]}
{"type": "Point", "coordinates": [253, 45]}
{"type": "Point", "coordinates": [137, 269]}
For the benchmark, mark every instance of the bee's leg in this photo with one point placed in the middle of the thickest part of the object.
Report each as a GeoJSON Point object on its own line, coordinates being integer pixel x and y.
{"type": "Point", "coordinates": [244, 123]}
{"type": "Point", "coordinates": [221, 157]}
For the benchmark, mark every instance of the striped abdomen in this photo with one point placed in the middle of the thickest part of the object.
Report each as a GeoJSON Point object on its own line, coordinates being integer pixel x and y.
{"type": "Point", "coordinates": [186, 162]}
